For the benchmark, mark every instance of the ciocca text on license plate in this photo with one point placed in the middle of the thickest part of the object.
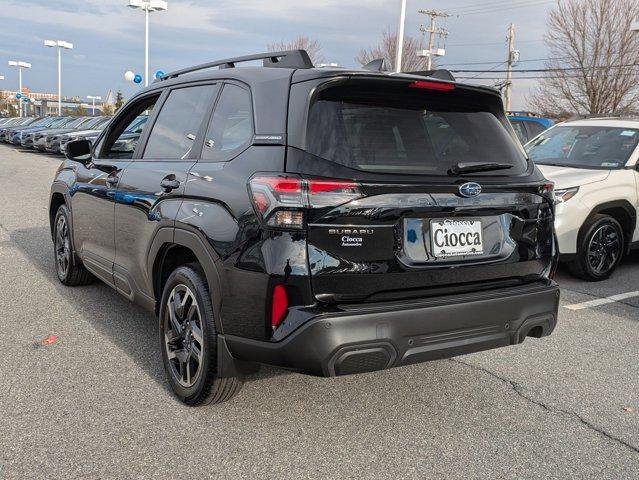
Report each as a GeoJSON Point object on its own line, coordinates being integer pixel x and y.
{"type": "Point", "coordinates": [452, 237]}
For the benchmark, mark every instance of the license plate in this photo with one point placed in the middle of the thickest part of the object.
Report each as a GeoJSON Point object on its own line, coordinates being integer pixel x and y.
{"type": "Point", "coordinates": [455, 237]}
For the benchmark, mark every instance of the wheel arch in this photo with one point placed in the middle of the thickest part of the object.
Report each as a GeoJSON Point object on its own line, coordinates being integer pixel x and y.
{"type": "Point", "coordinates": [173, 247]}
{"type": "Point", "coordinates": [59, 196]}
{"type": "Point", "coordinates": [620, 210]}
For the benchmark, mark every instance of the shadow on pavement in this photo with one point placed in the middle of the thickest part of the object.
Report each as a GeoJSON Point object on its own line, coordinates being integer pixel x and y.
{"type": "Point", "coordinates": [128, 326]}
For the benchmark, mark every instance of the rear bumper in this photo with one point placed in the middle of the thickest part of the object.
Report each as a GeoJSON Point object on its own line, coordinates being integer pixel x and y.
{"type": "Point", "coordinates": [365, 338]}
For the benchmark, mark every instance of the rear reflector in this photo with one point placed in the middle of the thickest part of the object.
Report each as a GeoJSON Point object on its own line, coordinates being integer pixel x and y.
{"type": "Point", "coordinates": [279, 305]}
{"type": "Point", "coordinates": [438, 86]}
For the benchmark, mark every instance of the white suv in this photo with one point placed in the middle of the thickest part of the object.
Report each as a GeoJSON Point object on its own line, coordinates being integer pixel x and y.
{"type": "Point", "coordinates": [593, 164]}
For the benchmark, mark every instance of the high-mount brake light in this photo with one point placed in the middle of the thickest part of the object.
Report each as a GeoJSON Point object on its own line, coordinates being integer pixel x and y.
{"type": "Point", "coordinates": [437, 86]}
{"type": "Point", "coordinates": [281, 201]}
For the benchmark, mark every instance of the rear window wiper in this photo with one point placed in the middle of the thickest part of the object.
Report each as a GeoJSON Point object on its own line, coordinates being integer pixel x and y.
{"type": "Point", "coordinates": [471, 167]}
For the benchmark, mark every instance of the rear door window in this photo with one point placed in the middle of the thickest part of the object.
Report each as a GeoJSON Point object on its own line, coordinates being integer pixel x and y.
{"type": "Point", "coordinates": [398, 129]}
{"type": "Point", "coordinates": [231, 128]}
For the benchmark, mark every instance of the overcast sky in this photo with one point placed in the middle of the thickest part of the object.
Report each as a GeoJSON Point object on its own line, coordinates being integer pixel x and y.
{"type": "Point", "coordinates": [109, 37]}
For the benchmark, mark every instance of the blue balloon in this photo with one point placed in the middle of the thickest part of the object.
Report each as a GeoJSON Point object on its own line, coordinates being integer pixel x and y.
{"type": "Point", "coordinates": [18, 96]}
{"type": "Point", "coordinates": [137, 78]}
{"type": "Point", "coordinates": [159, 74]}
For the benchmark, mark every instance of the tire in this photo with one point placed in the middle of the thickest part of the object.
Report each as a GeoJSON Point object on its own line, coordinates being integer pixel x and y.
{"type": "Point", "coordinates": [600, 249]}
{"type": "Point", "coordinates": [70, 271]}
{"type": "Point", "coordinates": [188, 340]}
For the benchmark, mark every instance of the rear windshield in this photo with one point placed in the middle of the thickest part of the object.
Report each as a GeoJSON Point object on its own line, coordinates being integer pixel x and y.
{"type": "Point", "coordinates": [584, 147]}
{"type": "Point", "coordinates": [407, 130]}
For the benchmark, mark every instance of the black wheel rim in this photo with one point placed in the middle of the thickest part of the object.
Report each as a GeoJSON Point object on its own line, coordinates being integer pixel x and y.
{"type": "Point", "coordinates": [62, 247]}
{"type": "Point", "coordinates": [604, 249]}
{"type": "Point", "coordinates": [183, 337]}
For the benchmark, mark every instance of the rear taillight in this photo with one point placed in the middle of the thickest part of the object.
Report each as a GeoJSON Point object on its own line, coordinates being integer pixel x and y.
{"type": "Point", "coordinates": [279, 305]}
{"type": "Point", "coordinates": [281, 201]}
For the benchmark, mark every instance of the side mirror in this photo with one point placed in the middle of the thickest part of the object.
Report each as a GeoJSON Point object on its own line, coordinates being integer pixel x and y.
{"type": "Point", "coordinates": [79, 151]}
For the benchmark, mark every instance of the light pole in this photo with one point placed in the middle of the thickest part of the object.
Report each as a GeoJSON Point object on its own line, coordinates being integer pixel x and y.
{"type": "Point", "coordinates": [400, 38]}
{"type": "Point", "coordinates": [147, 6]}
{"type": "Point", "coordinates": [61, 44]}
{"type": "Point", "coordinates": [2, 78]}
{"type": "Point", "coordinates": [20, 64]}
{"type": "Point", "coordinates": [91, 97]}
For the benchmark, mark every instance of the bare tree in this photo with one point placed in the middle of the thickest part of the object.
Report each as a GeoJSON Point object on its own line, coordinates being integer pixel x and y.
{"type": "Point", "coordinates": [312, 47]}
{"type": "Point", "coordinates": [593, 59]}
{"type": "Point", "coordinates": [387, 49]}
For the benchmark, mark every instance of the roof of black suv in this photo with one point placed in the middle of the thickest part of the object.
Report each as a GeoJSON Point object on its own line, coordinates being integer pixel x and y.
{"type": "Point", "coordinates": [277, 65]}
{"type": "Point", "coordinates": [279, 70]}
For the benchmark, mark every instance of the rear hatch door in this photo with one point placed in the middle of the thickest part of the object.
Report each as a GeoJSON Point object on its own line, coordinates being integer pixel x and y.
{"type": "Point", "coordinates": [446, 200]}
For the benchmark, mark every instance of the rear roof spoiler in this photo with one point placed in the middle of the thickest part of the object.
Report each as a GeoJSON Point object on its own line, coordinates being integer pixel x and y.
{"type": "Point", "coordinates": [379, 65]}
{"type": "Point", "coordinates": [439, 74]}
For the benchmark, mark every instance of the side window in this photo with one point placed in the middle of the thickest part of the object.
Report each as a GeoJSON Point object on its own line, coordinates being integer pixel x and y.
{"type": "Point", "coordinates": [520, 130]}
{"type": "Point", "coordinates": [178, 123]}
{"type": "Point", "coordinates": [231, 128]}
{"type": "Point", "coordinates": [123, 136]}
{"type": "Point", "coordinates": [535, 128]}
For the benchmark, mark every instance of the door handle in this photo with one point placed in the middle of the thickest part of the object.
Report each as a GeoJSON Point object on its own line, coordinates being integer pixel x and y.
{"type": "Point", "coordinates": [169, 183]}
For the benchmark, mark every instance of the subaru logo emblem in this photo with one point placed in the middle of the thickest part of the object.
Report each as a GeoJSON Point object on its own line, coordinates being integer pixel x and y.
{"type": "Point", "coordinates": [470, 189]}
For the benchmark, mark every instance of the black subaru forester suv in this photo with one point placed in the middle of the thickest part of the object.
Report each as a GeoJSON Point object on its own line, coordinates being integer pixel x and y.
{"type": "Point", "coordinates": [328, 221]}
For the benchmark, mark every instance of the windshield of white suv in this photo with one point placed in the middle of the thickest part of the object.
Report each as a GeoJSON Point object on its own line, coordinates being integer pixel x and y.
{"type": "Point", "coordinates": [593, 147]}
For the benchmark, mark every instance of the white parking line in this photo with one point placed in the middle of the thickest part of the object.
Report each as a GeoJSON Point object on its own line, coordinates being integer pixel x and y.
{"type": "Point", "coordinates": [602, 301]}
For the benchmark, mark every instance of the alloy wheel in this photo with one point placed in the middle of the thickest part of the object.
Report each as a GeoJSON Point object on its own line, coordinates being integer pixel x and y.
{"type": "Point", "coordinates": [183, 336]}
{"type": "Point", "coordinates": [604, 249]}
{"type": "Point", "coordinates": [62, 247]}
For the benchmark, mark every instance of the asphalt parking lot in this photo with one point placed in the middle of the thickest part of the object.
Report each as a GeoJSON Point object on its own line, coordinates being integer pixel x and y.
{"type": "Point", "coordinates": [95, 404]}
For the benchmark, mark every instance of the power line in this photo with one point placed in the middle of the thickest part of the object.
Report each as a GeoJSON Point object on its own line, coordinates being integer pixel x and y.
{"type": "Point", "coordinates": [509, 6]}
{"type": "Point", "coordinates": [497, 61]}
{"type": "Point", "coordinates": [486, 71]}
{"type": "Point", "coordinates": [542, 70]}
{"type": "Point", "coordinates": [491, 43]}
{"type": "Point", "coordinates": [498, 3]}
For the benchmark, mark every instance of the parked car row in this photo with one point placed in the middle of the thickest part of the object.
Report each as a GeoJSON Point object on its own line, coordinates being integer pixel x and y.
{"type": "Point", "coordinates": [52, 134]}
{"type": "Point", "coordinates": [47, 134]}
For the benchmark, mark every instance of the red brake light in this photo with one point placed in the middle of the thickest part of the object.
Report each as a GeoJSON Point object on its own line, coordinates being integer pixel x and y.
{"type": "Point", "coordinates": [280, 201]}
{"type": "Point", "coordinates": [438, 86]}
{"type": "Point", "coordinates": [279, 305]}
{"type": "Point", "coordinates": [319, 186]}
{"type": "Point", "coordinates": [283, 185]}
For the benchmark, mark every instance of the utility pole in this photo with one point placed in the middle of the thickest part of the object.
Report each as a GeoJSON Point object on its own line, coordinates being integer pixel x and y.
{"type": "Point", "coordinates": [513, 57]}
{"type": "Point", "coordinates": [433, 31]}
{"type": "Point", "coordinates": [400, 38]}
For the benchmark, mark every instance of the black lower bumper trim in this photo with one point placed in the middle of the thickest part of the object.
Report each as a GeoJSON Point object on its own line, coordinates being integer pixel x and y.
{"type": "Point", "coordinates": [378, 337]}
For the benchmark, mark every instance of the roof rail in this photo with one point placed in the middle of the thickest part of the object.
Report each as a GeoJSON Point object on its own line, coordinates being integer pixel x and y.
{"type": "Point", "coordinates": [439, 74]}
{"type": "Point", "coordinates": [283, 59]}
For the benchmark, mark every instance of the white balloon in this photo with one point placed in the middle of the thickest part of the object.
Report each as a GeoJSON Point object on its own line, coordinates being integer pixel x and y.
{"type": "Point", "coordinates": [129, 76]}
